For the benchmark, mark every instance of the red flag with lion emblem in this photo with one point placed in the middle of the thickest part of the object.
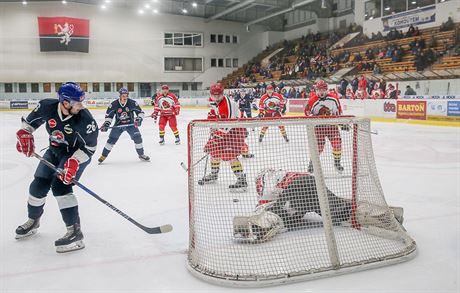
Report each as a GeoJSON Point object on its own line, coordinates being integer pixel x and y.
{"type": "Point", "coordinates": [63, 34]}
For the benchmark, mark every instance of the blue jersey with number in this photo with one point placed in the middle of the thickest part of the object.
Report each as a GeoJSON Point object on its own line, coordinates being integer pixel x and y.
{"type": "Point", "coordinates": [68, 135]}
{"type": "Point", "coordinates": [123, 113]}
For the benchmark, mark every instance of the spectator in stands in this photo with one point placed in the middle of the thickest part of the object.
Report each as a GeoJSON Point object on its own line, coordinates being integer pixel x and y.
{"type": "Point", "coordinates": [448, 25]}
{"type": "Point", "coordinates": [410, 91]}
{"type": "Point", "coordinates": [343, 86]}
{"type": "Point", "coordinates": [362, 85]}
{"type": "Point", "coordinates": [391, 93]}
{"type": "Point", "coordinates": [355, 84]}
{"type": "Point", "coordinates": [410, 31]}
{"type": "Point", "coordinates": [383, 86]}
{"type": "Point", "coordinates": [377, 69]}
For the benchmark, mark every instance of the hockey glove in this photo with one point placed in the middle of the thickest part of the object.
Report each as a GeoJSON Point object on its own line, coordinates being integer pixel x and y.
{"type": "Point", "coordinates": [261, 115]}
{"type": "Point", "coordinates": [105, 126]}
{"type": "Point", "coordinates": [70, 171]}
{"type": "Point", "coordinates": [344, 127]}
{"type": "Point", "coordinates": [154, 116]}
{"type": "Point", "coordinates": [177, 110]}
{"type": "Point", "coordinates": [137, 121]}
{"type": "Point", "coordinates": [25, 142]}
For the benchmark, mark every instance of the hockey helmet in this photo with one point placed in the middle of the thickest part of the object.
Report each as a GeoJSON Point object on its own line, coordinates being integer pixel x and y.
{"type": "Point", "coordinates": [123, 91]}
{"type": "Point", "coordinates": [321, 88]}
{"type": "Point", "coordinates": [71, 92]}
{"type": "Point", "coordinates": [267, 183]}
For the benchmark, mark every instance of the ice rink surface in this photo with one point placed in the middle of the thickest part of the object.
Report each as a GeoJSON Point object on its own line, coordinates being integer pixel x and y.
{"type": "Point", "coordinates": [419, 168]}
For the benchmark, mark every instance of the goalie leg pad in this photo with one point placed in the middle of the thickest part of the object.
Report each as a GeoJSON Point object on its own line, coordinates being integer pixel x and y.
{"type": "Point", "coordinates": [259, 227]}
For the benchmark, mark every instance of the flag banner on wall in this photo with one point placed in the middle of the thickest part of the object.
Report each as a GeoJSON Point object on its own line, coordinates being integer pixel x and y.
{"type": "Point", "coordinates": [63, 34]}
{"type": "Point", "coordinates": [413, 17]}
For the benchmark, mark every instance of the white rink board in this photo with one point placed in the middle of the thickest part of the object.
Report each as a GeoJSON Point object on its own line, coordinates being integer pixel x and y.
{"type": "Point", "coordinates": [418, 166]}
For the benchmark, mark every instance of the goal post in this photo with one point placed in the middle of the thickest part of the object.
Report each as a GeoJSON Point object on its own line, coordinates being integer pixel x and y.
{"type": "Point", "coordinates": [305, 207]}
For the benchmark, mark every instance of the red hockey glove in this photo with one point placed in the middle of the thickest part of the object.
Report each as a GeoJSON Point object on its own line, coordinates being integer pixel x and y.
{"type": "Point", "coordinates": [25, 142]}
{"type": "Point", "coordinates": [177, 110]}
{"type": "Point", "coordinates": [154, 116]}
{"type": "Point", "coordinates": [70, 171]}
{"type": "Point", "coordinates": [261, 114]}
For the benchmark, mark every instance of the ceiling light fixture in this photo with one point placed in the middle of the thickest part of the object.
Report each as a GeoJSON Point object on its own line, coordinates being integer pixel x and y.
{"type": "Point", "coordinates": [140, 11]}
{"type": "Point", "coordinates": [155, 11]}
{"type": "Point", "coordinates": [184, 11]}
{"type": "Point", "coordinates": [24, 2]}
{"type": "Point", "coordinates": [194, 4]}
{"type": "Point", "coordinates": [147, 6]}
{"type": "Point", "coordinates": [64, 2]}
{"type": "Point", "coordinates": [103, 6]}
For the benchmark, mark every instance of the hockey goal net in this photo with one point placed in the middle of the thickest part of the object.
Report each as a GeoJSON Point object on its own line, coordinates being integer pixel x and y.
{"type": "Point", "coordinates": [287, 208]}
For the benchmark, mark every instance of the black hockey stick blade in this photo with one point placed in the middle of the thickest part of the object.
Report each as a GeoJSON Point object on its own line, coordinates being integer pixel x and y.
{"type": "Point", "coordinates": [157, 230]}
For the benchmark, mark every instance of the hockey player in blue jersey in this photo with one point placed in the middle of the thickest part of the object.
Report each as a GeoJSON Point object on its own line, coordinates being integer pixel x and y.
{"type": "Point", "coordinates": [123, 109]}
{"type": "Point", "coordinates": [72, 141]}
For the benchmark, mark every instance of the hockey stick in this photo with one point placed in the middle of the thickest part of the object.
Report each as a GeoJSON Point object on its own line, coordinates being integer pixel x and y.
{"type": "Point", "coordinates": [185, 167]}
{"type": "Point", "coordinates": [153, 230]}
{"type": "Point", "coordinates": [369, 131]}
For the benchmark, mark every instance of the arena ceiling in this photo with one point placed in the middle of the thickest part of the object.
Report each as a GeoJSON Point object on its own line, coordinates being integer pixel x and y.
{"type": "Point", "coordinates": [266, 12]}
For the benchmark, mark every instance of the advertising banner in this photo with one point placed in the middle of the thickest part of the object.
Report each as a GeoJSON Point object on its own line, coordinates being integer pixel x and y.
{"type": "Point", "coordinates": [411, 110]}
{"type": "Point", "coordinates": [413, 17]}
{"type": "Point", "coordinates": [296, 105]}
{"type": "Point", "coordinates": [19, 104]}
{"type": "Point", "coordinates": [453, 109]}
{"type": "Point", "coordinates": [451, 97]}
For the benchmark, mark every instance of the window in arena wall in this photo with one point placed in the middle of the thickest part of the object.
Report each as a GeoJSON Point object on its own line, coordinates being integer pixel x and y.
{"type": "Point", "coordinates": [34, 87]}
{"type": "Point", "coordinates": [228, 62]}
{"type": "Point", "coordinates": [220, 62]}
{"type": "Point", "coordinates": [107, 87]}
{"type": "Point", "coordinates": [394, 6]}
{"type": "Point", "coordinates": [8, 87]}
{"type": "Point", "coordinates": [197, 40]}
{"type": "Point", "coordinates": [213, 38]}
{"type": "Point", "coordinates": [372, 9]}
{"type": "Point", "coordinates": [185, 86]}
{"type": "Point", "coordinates": [96, 87]}
{"type": "Point", "coordinates": [131, 86]}
{"type": "Point", "coordinates": [235, 62]}
{"type": "Point", "coordinates": [23, 87]}
{"type": "Point", "coordinates": [168, 39]}
{"type": "Point", "coordinates": [213, 62]}
{"type": "Point", "coordinates": [119, 85]}
{"type": "Point", "coordinates": [57, 85]}
{"type": "Point", "coordinates": [84, 86]}
{"type": "Point", "coordinates": [420, 3]}
{"type": "Point", "coordinates": [47, 87]}
{"type": "Point", "coordinates": [235, 39]}
{"type": "Point", "coordinates": [227, 39]}
{"type": "Point", "coordinates": [194, 86]}
{"type": "Point", "coordinates": [178, 39]}
{"type": "Point", "coordinates": [185, 64]}
{"type": "Point", "coordinates": [188, 41]}
{"type": "Point", "coordinates": [220, 39]}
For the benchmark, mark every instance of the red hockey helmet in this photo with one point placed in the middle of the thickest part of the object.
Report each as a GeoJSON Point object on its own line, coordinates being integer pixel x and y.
{"type": "Point", "coordinates": [321, 88]}
{"type": "Point", "coordinates": [216, 89]}
{"type": "Point", "coordinates": [269, 87]}
{"type": "Point", "coordinates": [165, 87]}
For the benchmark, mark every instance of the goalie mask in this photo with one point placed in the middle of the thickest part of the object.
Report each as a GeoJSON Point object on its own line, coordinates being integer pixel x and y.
{"type": "Point", "coordinates": [321, 89]}
{"type": "Point", "coordinates": [267, 184]}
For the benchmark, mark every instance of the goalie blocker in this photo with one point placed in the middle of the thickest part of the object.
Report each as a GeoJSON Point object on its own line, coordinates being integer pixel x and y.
{"type": "Point", "coordinates": [286, 197]}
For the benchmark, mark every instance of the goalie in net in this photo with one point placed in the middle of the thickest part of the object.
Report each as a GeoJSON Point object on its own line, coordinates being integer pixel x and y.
{"type": "Point", "coordinates": [286, 197]}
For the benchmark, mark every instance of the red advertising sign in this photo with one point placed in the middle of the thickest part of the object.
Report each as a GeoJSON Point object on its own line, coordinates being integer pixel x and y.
{"type": "Point", "coordinates": [297, 105]}
{"type": "Point", "coordinates": [411, 110]}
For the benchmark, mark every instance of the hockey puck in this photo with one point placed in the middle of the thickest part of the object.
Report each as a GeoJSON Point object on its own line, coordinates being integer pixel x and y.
{"type": "Point", "coordinates": [236, 200]}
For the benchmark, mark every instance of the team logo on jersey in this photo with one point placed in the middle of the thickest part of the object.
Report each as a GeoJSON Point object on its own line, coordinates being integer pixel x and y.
{"type": "Point", "coordinates": [57, 138]}
{"type": "Point", "coordinates": [52, 123]}
{"type": "Point", "coordinates": [68, 129]}
{"type": "Point", "coordinates": [123, 116]}
{"type": "Point", "coordinates": [119, 110]}
{"type": "Point", "coordinates": [271, 105]}
{"type": "Point", "coordinates": [165, 105]}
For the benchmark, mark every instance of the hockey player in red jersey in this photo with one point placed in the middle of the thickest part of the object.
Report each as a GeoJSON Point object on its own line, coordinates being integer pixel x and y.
{"type": "Point", "coordinates": [271, 104]}
{"type": "Point", "coordinates": [324, 103]}
{"type": "Point", "coordinates": [168, 106]}
{"type": "Point", "coordinates": [224, 144]}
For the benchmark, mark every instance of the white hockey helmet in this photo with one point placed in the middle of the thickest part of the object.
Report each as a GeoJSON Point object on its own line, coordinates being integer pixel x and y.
{"type": "Point", "coordinates": [267, 183]}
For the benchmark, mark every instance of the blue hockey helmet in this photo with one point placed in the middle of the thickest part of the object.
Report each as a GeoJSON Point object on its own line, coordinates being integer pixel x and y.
{"type": "Point", "coordinates": [71, 92]}
{"type": "Point", "coordinates": [123, 91]}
